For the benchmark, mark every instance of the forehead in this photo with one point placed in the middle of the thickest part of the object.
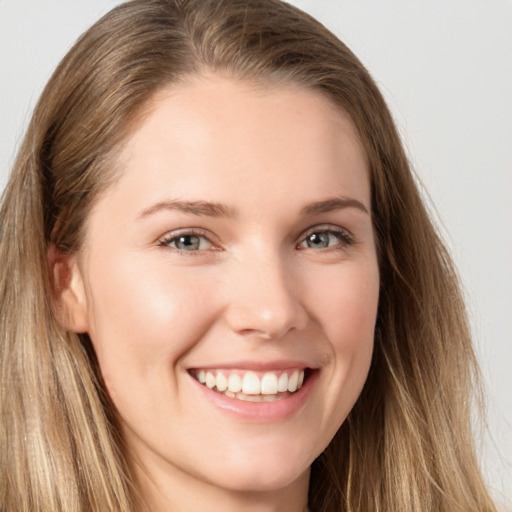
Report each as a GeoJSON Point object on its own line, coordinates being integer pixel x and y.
{"type": "Point", "coordinates": [218, 135]}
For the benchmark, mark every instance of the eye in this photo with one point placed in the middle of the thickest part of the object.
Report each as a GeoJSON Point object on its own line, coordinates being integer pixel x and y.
{"type": "Point", "coordinates": [326, 238]}
{"type": "Point", "coordinates": [186, 242]}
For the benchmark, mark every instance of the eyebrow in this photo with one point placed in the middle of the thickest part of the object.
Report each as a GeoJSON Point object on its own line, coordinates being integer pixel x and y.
{"type": "Point", "coordinates": [336, 203]}
{"type": "Point", "coordinates": [211, 209]}
{"type": "Point", "coordinates": [201, 208]}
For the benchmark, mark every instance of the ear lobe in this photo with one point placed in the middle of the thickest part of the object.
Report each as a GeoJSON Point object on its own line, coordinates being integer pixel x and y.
{"type": "Point", "coordinates": [69, 300]}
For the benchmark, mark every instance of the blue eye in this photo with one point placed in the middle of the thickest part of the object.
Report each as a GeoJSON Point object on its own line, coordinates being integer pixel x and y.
{"type": "Point", "coordinates": [186, 242]}
{"type": "Point", "coordinates": [325, 239]}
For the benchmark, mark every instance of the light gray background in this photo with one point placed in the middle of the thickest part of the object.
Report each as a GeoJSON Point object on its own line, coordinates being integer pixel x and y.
{"type": "Point", "coordinates": [445, 67]}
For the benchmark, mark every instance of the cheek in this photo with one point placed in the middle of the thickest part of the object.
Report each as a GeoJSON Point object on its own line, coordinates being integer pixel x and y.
{"type": "Point", "coordinates": [348, 315]}
{"type": "Point", "coordinates": [143, 318]}
{"type": "Point", "coordinates": [345, 308]}
{"type": "Point", "coordinates": [348, 305]}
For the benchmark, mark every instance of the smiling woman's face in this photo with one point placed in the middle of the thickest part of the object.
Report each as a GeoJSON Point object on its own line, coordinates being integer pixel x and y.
{"type": "Point", "coordinates": [229, 284]}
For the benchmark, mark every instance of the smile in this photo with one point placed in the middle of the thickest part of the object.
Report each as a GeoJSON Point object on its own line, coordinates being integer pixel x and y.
{"type": "Point", "coordinates": [252, 386]}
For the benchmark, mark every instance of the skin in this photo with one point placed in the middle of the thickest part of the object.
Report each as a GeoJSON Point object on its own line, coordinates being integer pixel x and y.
{"type": "Point", "coordinates": [255, 290]}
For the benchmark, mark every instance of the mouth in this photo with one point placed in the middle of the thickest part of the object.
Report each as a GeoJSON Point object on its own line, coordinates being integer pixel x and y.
{"type": "Point", "coordinates": [252, 386]}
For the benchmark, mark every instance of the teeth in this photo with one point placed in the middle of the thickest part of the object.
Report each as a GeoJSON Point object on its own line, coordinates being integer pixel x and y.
{"type": "Point", "coordinates": [293, 381]}
{"type": "Point", "coordinates": [234, 383]}
{"type": "Point", "coordinates": [256, 398]}
{"type": "Point", "coordinates": [250, 386]}
{"type": "Point", "coordinates": [269, 384]}
{"type": "Point", "coordinates": [222, 382]}
{"type": "Point", "coordinates": [210, 380]}
{"type": "Point", "coordinates": [282, 384]}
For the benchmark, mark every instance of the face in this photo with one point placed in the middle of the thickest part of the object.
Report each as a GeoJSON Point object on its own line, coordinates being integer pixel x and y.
{"type": "Point", "coordinates": [229, 283]}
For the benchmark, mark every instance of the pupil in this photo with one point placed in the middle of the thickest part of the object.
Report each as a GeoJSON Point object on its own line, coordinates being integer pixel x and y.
{"type": "Point", "coordinates": [318, 239]}
{"type": "Point", "coordinates": [188, 242]}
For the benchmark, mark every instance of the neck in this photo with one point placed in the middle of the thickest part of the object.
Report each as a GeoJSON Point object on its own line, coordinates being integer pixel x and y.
{"type": "Point", "coordinates": [173, 491]}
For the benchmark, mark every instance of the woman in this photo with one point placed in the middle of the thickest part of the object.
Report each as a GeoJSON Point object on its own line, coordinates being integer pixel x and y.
{"type": "Point", "coordinates": [222, 289]}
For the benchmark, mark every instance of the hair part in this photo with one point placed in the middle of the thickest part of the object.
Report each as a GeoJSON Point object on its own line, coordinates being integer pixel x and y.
{"type": "Point", "coordinates": [406, 445]}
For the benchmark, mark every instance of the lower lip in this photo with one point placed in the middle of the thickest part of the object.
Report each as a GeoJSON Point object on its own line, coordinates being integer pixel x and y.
{"type": "Point", "coordinates": [260, 412]}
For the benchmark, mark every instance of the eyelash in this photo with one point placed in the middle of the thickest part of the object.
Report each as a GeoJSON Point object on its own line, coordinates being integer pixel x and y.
{"type": "Point", "coordinates": [345, 239]}
{"type": "Point", "coordinates": [173, 237]}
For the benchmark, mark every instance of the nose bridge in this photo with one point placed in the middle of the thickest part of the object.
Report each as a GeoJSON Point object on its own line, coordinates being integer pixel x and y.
{"type": "Point", "coordinates": [263, 298]}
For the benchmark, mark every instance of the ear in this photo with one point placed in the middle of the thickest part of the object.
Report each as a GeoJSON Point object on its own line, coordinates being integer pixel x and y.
{"type": "Point", "coordinates": [69, 299]}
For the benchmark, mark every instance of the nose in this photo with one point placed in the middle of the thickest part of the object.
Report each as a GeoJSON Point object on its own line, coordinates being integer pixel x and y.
{"type": "Point", "coordinates": [264, 298]}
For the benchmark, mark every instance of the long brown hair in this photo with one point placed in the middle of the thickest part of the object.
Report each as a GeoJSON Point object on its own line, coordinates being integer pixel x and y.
{"type": "Point", "coordinates": [407, 444]}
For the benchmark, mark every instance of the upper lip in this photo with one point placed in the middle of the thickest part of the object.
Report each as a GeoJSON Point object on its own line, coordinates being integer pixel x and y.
{"type": "Point", "coordinates": [258, 366]}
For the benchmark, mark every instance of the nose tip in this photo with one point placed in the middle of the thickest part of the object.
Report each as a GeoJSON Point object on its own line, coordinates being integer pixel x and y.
{"type": "Point", "coordinates": [265, 303]}
{"type": "Point", "coordinates": [267, 321]}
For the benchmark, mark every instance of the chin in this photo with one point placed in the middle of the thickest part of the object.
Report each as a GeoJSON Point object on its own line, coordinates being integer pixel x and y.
{"type": "Point", "coordinates": [261, 480]}
{"type": "Point", "coordinates": [261, 472]}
